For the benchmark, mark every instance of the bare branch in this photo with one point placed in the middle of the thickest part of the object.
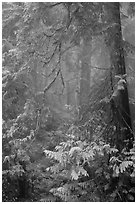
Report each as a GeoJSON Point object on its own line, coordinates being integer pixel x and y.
{"type": "Point", "coordinates": [49, 5]}
{"type": "Point", "coordinates": [47, 88]}
{"type": "Point", "coordinates": [61, 75]}
{"type": "Point", "coordinates": [71, 46]}
{"type": "Point", "coordinates": [53, 70]}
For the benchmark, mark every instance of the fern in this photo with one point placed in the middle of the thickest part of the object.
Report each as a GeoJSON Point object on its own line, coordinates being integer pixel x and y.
{"type": "Point", "coordinates": [121, 164]}
{"type": "Point", "coordinates": [62, 192]}
{"type": "Point", "coordinates": [124, 165]}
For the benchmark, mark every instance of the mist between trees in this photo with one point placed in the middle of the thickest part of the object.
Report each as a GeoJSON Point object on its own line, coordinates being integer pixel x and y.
{"type": "Point", "coordinates": [68, 101]}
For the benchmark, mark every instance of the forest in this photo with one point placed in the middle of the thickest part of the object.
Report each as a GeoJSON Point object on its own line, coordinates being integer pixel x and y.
{"type": "Point", "coordinates": [68, 102]}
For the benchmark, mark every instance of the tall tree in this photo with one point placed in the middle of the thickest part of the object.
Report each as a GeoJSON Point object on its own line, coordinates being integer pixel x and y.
{"type": "Point", "coordinates": [120, 99]}
{"type": "Point", "coordinates": [86, 20]}
{"type": "Point", "coordinates": [85, 69]}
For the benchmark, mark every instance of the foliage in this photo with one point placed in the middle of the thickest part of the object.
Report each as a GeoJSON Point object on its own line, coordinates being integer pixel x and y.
{"type": "Point", "coordinates": [24, 137]}
{"type": "Point", "coordinates": [45, 157]}
{"type": "Point", "coordinates": [92, 167]}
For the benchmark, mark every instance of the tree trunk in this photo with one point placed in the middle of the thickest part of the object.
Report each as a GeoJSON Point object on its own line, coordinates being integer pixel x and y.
{"type": "Point", "coordinates": [68, 93]}
{"type": "Point", "coordinates": [120, 106]}
{"type": "Point", "coordinates": [34, 75]}
{"type": "Point", "coordinates": [85, 59]}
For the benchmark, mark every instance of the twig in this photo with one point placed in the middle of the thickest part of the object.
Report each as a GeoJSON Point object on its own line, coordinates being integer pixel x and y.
{"type": "Point", "coordinates": [56, 65]}
{"type": "Point", "coordinates": [101, 68]}
{"type": "Point", "coordinates": [53, 70]}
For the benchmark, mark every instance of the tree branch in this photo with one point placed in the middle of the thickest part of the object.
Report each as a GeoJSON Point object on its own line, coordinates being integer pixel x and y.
{"type": "Point", "coordinates": [48, 5]}
{"type": "Point", "coordinates": [46, 88]}
{"type": "Point", "coordinates": [61, 75]}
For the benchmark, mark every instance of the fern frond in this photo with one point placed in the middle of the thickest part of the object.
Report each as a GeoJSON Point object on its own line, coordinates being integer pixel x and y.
{"type": "Point", "coordinates": [74, 150]}
{"type": "Point", "coordinates": [6, 159]}
{"type": "Point", "coordinates": [55, 169]}
{"type": "Point", "coordinates": [54, 155]}
{"type": "Point", "coordinates": [87, 184]}
{"type": "Point", "coordinates": [82, 171]}
{"type": "Point", "coordinates": [124, 165]}
{"type": "Point", "coordinates": [74, 175]}
{"type": "Point", "coordinates": [87, 155]}
{"type": "Point", "coordinates": [62, 192]}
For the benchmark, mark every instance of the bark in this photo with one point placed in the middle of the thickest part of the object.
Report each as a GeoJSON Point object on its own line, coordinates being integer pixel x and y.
{"type": "Point", "coordinates": [120, 106]}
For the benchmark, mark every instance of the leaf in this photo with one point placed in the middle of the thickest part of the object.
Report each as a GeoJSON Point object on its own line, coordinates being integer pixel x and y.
{"type": "Point", "coordinates": [82, 171]}
{"type": "Point", "coordinates": [118, 76]}
{"type": "Point", "coordinates": [58, 147]}
{"type": "Point", "coordinates": [107, 148]}
{"type": "Point", "coordinates": [63, 192]}
{"type": "Point", "coordinates": [87, 155]}
{"type": "Point", "coordinates": [117, 170]}
{"type": "Point", "coordinates": [114, 159]}
{"type": "Point", "coordinates": [49, 154]}
{"type": "Point", "coordinates": [113, 150]}
{"type": "Point", "coordinates": [106, 187]}
{"type": "Point", "coordinates": [29, 137]}
{"type": "Point", "coordinates": [114, 194]}
{"type": "Point", "coordinates": [55, 169]}
{"type": "Point", "coordinates": [133, 174]}
{"type": "Point", "coordinates": [107, 176]}
{"type": "Point", "coordinates": [74, 175]}
{"type": "Point", "coordinates": [99, 171]}
{"type": "Point", "coordinates": [105, 100]}
{"type": "Point", "coordinates": [91, 153]}
{"type": "Point", "coordinates": [132, 190]}
{"type": "Point", "coordinates": [124, 165]}
{"type": "Point", "coordinates": [124, 191]}
{"type": "Point", "coordinates": [24, 139]}
{"type": "Point", "coordinates": [131, 197]}
{"type": "Point", "coordinates": [7, 159]}
{"type": "Point", "coordinates": [115, 94]}
{"type": "Point", "coordinates": [74, 150]}
{"type": "Point", "coordinates": [120, 87]}
{"type": "Point", "coordinates": [12, 156]}
{"type": "Point", "coordinates": [122, 81]}
{"type": "Point", "coordinates": [84, 184]}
